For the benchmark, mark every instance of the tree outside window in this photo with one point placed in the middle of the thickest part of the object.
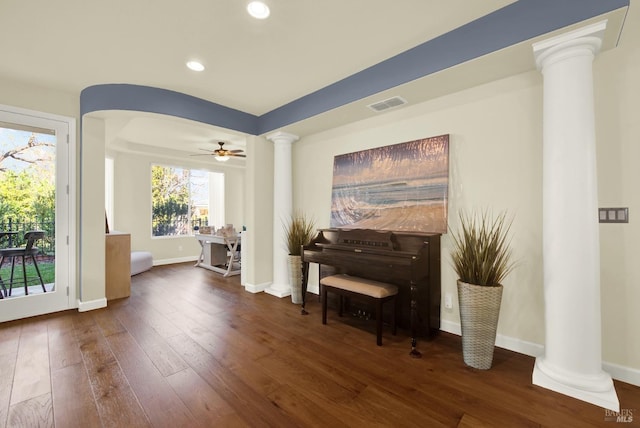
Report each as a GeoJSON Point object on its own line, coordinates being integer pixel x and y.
{"type": "Point", "coordinates": [180, 200]}
{"type": "Point", "coordinates": [27, 180]}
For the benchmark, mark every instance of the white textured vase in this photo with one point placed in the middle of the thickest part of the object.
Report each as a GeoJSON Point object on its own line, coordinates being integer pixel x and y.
{"type": "Point", "coordinates": [479, 312]}
{"type": "Point", "coordinates": [295, 278]}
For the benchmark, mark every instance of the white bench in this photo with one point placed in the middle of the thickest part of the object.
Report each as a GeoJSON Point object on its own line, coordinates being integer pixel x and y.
{"type": "Point", "coordinates": [364, 289]}
{"type": "Point", "coordinates": [141, 261]}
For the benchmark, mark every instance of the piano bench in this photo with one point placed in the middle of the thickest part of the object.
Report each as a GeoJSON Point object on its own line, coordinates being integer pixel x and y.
{"type": "Point", "coordinates": [363, 289]}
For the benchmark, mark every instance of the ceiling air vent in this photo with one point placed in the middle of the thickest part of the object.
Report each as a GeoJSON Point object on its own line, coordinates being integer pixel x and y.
{"type": "Point", "coordinates": [387, 104]}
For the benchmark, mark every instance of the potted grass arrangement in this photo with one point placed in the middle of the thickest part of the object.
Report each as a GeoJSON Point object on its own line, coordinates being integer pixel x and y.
{"type": "Point", "coordinates": [299, 231]}
{"type": "Point", "coordinates": [481, 258]}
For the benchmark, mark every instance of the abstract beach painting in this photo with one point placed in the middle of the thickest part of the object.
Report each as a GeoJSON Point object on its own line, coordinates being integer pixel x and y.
{"type": "Point", "coordinates": [401, 187]}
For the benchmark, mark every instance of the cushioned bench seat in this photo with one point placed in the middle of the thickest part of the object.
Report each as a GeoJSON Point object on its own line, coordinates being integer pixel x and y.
{"type": "Point", "coordinates": [141, 261]}
{"type": "Point", "coordinates": [360, 288]}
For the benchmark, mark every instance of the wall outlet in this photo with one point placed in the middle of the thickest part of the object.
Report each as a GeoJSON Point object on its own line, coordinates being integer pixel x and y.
{"type": "Point", "coordinates": [448, 301]}
{"type": "Point", "coordinates": [179, 247]}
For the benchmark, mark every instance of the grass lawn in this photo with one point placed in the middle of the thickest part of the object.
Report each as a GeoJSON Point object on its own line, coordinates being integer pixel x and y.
{"type": "Point", "coordinates": [47, 269]}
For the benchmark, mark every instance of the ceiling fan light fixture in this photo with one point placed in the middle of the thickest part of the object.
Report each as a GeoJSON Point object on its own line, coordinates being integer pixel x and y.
{"type": "Point", "coordinates": [195, 66]}
{"type": "Point", "coordinates": [222, 158]}
{"type": "Point", "coordinates": [258, 10]}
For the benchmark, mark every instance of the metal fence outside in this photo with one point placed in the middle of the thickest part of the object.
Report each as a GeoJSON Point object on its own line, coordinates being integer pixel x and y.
{"type": "Point", "coordinates": [47, 245]}
{"type": "Point", "coordinates": [178, 227]}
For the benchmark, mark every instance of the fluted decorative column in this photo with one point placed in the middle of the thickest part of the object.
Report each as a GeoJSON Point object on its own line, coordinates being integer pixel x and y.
{"type": "Point", "coordinates": [282, 210]}
{"type": "Point", "coordinates": [572, 360]}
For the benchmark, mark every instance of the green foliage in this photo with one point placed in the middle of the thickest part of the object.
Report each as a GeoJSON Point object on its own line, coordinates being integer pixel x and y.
{"type": "Point", "coordinates": [27, 189]}
{"type": "Point", "coordinates": [299, 231]}
{"type": "Point", "coordinates": [481, 250]}
{"type": "Point", "coordinates": [25, 196]}
{"type": "Point", "coordinates": [168, 183]}
{"type": "Point", "coordinates": [170, 198]}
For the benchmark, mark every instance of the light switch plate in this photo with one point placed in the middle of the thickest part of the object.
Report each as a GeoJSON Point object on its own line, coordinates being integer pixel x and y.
{"type": "Point", "coordinates": [613, 215]}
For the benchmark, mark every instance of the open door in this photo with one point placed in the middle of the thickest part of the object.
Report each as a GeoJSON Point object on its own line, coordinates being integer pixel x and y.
{"type": "Point", "coordinates": [36, 158]}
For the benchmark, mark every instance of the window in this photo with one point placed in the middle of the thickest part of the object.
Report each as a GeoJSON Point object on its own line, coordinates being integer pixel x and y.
{"type": "Point", "coordinates": [181, 200]}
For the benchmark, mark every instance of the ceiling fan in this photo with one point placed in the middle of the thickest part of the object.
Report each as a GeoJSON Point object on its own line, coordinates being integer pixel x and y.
{"type": "Point", "coordinates": [221, 154]}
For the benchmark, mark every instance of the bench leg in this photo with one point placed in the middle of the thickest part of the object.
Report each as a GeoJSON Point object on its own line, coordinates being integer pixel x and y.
{"type": "Point", "coordinates": [394, 316]}
{"type": "Point", "coordinates": [379, 307]}
{"type": "Point", "coordinates": [324, 305]}
{"type": "Point", "coordinates": [379, 322]}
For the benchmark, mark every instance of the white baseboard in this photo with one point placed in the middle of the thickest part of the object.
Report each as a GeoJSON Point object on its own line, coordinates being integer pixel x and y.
{"type": "Point", "coordinates": [279, 290]}
{"type": "Point", "coordinates": [622, 373]}
{"type": "Point", "coordinates": [618, 372]}
{"type": "Point", "coordinates": [450, 327]}
{"type": "Point", "coordinates": [259, 288]}
{"type": "Point", "coordinates": [256, 288]}
{"type": "Point", "coordinates": [175, 260]}
{"type": "Point", "coordinates": [92, 304]}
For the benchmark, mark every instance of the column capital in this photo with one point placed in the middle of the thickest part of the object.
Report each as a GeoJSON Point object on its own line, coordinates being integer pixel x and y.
{"type": "Point", "coordinates": [586, 39]}
{"type": "Point", "coordinates": [282, 137]}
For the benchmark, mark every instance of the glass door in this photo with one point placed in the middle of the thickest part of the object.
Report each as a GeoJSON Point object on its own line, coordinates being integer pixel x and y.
{"type": "Point", "coordinates": [35, 214]}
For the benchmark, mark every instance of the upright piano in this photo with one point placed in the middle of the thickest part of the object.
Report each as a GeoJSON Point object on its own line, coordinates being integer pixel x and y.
{"type": "Point", "coordinates": [407, 259]}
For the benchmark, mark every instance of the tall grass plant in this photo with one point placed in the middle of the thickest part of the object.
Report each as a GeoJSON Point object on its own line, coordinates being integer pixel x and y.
{"type": "Point", "coordinates": [481, 248]}
{"type": "Point", "coordinates": [299, 231]}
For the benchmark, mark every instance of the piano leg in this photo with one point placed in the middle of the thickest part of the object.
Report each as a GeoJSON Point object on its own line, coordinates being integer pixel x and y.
{"type": "Point", "coordinates": [414, 321]}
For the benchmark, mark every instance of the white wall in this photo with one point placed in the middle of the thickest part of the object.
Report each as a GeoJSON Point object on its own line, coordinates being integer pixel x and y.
{"type": "Point", "coordinates": [92, 218]}
{"type": "Point", "coordinates": [258, 214]}
{"type": "Point", "coordinates": [132, 201]}
{"type": "Point", "coordinates": [496, 162]}
{"type": "Point", "coordinates": [20, 94]}
{"type": "Point", "coordinates": [617, 92]}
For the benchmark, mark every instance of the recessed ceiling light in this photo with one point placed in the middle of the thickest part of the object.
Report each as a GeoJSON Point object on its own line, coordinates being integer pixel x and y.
{"type": "Point", "coordinates": [195, 66]}
{"type": "Point", "coordinates": [258, 10]}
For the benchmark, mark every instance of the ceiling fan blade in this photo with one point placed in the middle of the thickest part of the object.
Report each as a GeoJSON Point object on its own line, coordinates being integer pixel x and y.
{"type": "Point", "coordinates": [221, 152]}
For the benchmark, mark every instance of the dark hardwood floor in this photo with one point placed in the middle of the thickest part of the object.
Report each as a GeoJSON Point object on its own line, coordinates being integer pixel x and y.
{"type": "Point", "coordinates": [190, 348]}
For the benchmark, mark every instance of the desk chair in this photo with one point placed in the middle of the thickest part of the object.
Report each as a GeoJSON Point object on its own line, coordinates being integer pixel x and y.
{"type": "Point", "coordinates": [27, 251]}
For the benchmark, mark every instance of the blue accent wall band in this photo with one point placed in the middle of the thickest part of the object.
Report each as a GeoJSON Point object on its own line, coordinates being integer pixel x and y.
{"type": "Point", "coordinates": [163, 101]}
{"type": "Point", "coordinates": [520, 21]}
{"type": "Point", "coordinates": [515, 23]}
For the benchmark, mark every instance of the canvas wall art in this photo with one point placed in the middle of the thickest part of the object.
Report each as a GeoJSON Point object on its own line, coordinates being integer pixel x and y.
{"type": "Point", "coordinates": [401, 187]}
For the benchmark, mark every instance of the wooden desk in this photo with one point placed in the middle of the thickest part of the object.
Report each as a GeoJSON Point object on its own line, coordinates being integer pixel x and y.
{"type": "Point", "coordinates": [218, 254]}
{"type": "Point", "coordinates": [117, 265]}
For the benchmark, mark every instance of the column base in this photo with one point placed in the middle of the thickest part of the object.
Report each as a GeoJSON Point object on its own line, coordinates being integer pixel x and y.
{"type": "Point", "coordinates": [278, 290]}
{"type": "Point", "coordinates": [598, 391]}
